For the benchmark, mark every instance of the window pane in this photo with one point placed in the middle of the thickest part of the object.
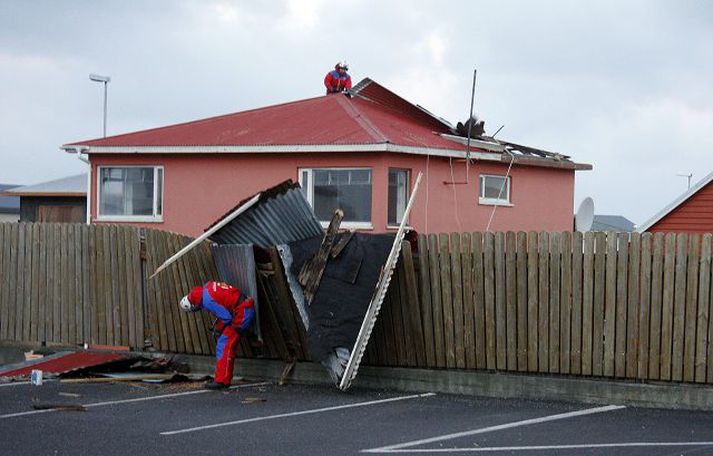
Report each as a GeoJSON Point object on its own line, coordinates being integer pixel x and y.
{"type": "Point", "coordinates": [159, 192]}
{"type": "Point", "coordinates": [492, 186]}
{"type": "Point", "coordinates": [332, 190]}
{"type": "Point", "coordinates": [398, 195]}
{"type": "Point", "coordinates": [126, 191]}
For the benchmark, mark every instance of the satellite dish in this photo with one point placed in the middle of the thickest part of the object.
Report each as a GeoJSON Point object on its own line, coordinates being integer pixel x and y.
{"type": "Point", "coordinates": [584, 218]}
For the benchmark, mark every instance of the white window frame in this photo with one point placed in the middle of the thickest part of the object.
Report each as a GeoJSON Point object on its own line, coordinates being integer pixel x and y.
{"type": "Point", "coordinates": [504, 200]}
{"type": "Point", "coordinates": [408, 195]}
{"type": "Point", "coordinates": [309, 193]}
{"type": "Point", "coordinates": [155, 218]}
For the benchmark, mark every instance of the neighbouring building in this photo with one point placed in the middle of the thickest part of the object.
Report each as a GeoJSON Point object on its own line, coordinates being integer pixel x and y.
{"type": "Point", "coordinates": [9, 205]}
{"type": "Point", "coordinates": [360, 152]}
{"type": "Point", "coordinates": [60, 200]}
{"type": "Point", "coordinates": [617, 223]}
{"type": "Point", "coordinates": [692, 212]}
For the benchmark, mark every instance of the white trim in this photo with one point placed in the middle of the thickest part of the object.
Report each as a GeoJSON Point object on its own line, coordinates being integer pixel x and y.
{"type": "Point", "coordinates": [674, 204]}
{"type": "Point", "coordinates": [494, 202]}
{"type": "Point", "coordinates": [156, 218]}
{"type": "Point", "coordinates": [288, 148]}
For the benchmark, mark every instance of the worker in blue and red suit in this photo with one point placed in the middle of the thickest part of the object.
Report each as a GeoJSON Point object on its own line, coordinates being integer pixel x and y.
{"type": "Point", "coordinates": [338, 80]}
{"type": "Point", "coordinates": [234, 312]}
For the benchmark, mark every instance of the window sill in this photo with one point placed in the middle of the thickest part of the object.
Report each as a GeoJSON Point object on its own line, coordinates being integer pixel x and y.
{"type": "Point", "coordinates": [351, 225]}
{"type": "Point", "coordinates": [494, 202]}
{"type": "Point", "coordinates": [396, 227]}
{"type": "Point", "coordinates": [105, 218]}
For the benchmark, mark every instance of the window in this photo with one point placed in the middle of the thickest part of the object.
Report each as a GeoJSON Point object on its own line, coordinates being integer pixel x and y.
{"type": "Point", "coordinates": [132, 193]}
{"type": "Point", "coordinates": [349, 189]}
{"type": "Point", "coordinates": [398, 195]}
{"type": "Point", "coordinates": [494, 190]}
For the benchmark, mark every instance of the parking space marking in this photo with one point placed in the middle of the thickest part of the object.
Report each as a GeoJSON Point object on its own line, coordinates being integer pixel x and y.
{"type": "Point", "coordinates": [301, 412]}
{"type": "Point", "coordinates": [499, 427]}
{"type": "Point", "coordinates": [14, 384]}
{"type": "Point", "coordinates": [127, 401]}
{"type": "Point", "coordinates": [547, 447]}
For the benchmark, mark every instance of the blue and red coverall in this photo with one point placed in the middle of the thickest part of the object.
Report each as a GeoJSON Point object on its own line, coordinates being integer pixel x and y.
{"type": "Point", "coordinates": [335, 81]}
{"type": "Point", "coordinates": [235, 312]}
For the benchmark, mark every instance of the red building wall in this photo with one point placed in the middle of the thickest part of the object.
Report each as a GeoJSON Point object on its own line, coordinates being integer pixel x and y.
{"type": "Point", "coordinates": [695, 215]}
{"type": "Point", "coordinates": [200, 188]}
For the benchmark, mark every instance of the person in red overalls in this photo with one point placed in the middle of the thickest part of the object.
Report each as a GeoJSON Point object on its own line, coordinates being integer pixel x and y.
{"type": "Point", "coordinates": [234, 311]}
{"type": "Point", "coordinates": [338, 80]}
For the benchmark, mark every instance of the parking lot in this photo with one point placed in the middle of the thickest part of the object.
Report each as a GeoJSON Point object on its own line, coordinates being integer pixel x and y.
{"type": "Point", "coordinates": [260, 418]}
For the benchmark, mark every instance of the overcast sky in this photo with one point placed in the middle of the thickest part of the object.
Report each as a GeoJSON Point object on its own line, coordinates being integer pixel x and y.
{"type": "Point", "coordinates": [624, 85]}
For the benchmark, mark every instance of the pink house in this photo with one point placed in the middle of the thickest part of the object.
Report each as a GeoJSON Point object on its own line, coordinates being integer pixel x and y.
{"type": "Point", "coordinates": [360, 152]}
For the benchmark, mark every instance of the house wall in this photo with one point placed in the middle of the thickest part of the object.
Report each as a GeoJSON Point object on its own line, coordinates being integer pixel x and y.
{"type": "Point", "coordinates": [30, 206]}
{"type": "Point", "coordinates": [695, 215]}
{"type": "Point", "coordinates": [9, 217]}
{"type": "Point", "coordinates": [201, 188]}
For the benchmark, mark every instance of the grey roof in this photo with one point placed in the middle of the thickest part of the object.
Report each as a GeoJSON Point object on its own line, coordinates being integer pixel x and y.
{"type": "Point", "coordinates": [67, 185]}
{"type": "Point", "coordinates": [9, 204]}
{"type": "Point", "coordinates": [612, 223]}
{"type": "Point", "coordinates": [675, 203]}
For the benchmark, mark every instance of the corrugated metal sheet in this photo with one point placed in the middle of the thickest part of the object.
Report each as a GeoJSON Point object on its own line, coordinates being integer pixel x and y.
{"type": "Point", "coordinates": [66, 363]}
{"type": "Point", "coordinates": [279, 219]}
{"type": "Point", "coordinates": [236, 266]}
{"type": "Point", "coordinates": [295, 288]}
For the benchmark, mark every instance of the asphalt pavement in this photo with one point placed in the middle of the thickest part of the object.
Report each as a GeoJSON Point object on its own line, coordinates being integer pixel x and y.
{"type": "Point", "coordinates": [264, 419]}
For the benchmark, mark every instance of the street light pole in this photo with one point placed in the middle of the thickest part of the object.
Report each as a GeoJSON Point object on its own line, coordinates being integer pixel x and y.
{"type": "Point", "coordinates": [105, 80]}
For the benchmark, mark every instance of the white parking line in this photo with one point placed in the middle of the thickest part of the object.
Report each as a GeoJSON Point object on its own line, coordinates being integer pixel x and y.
{"type": "Point", "coordinates": [547, 447]}
{"type": "Point", "coordinates": [127, 401]}
{"type": "Point", "coordinates": [301, 412]}
{"type": "Point", "coordinates": [14, 384]}
{"type": "Point", "coordinates": [499, 427]}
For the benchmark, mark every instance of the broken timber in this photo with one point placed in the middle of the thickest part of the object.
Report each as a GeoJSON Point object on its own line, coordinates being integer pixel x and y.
{"type": "Point", "coordinates": [311, 273]}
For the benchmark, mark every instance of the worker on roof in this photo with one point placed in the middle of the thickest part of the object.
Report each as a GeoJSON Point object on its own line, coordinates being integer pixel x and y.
{"type": "Point", "coordinates": [234, 312]}
{"type": "Point", "coordinates": [338, 80]}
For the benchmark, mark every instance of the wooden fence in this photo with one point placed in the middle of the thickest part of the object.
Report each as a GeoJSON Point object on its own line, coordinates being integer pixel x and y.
{"type": "Point", "coordinates": [623, 305]}
{"type": "Point", "coordinates": [599, 304]}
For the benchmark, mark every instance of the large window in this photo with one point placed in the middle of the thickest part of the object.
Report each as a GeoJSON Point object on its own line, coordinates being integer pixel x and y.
{"type": "Point", "coordinates": [398, 195]}
{"type": "Point", "coordinates": [494, 190]}
{"type": "Point", "coordinates": [348, 189]}
{"type": "Point", "coordinates": [131, 193]}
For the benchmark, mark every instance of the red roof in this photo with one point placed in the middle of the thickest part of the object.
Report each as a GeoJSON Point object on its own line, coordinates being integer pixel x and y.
{"type": "Point", "coordinates": [373, 115]}
{"type": "Point", "coordinates": [66, 363]}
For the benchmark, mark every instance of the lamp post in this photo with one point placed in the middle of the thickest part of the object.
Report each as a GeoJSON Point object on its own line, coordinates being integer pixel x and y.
{"type": "Point", "coordinates": [105, 80]}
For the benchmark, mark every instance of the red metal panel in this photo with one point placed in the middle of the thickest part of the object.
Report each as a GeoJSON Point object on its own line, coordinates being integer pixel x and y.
{"type": "Point", "coordinates": [695, 215]}
{"type": "Point", "coordinates": [66, 363]}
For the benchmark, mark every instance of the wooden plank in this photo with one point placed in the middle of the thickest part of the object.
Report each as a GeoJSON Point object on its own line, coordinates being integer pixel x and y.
{"type": "Point", "coordinates": [679, 307]}
{"type": "Point", "coordinates": [500, 303]}
{"type": "Point", "coordinates": [426, 306]}
{"type": "Point", "coordinates": [196, 265]}
{"type": "Point", "coordinates": [457, 293]}
{"type": "Point", "coordinates": [21, 273]}
{"type": "Point", "coordinates": [122, 304]}
{"type": "Point", "coordinates": [577, 301]}
{"type": "Point", "coordinates": [598, 306]}
{"type": "Point", "coordinates": [27, 283]}
{"type": "Point", "coordinates": [51, 278]}
{"type": "Point", "coordinates": [543, 317]}
{"type": "Point", "coordinates": [703, 314]}
{"type": "Point", "coordinates": [434, 269]}
{"type": "Point", "coordinates": [532, 302]}
{"type": "Point", "coordinates": [94, 284]}
{"type": "Point", "coordinates": [79, 280]}
{"type": "Point", "coordinates": [86, 285]}
{"type": "Point", "coordinates": [30, 281]}
{"type": "Point", "coordinates": [511, 299]}
{"type": "Point", "coordinates": [130, 265]}
{"type": "Point", "coordinates": [311, 273]}
{"type": "Point", "coordinates": [116, 295]}
{"type": "Point", "coordinates": [691, 308]}
{"type": "Point", "coordinates": [183, 287]}
{"type": "Point", "coordinates": [565, 302]}
{"type": "Point", "coordinates": [100, 301]}
{"type": "Point", "coordinates": [489, 289]}
{"type": "Point", "coordinates": [71, 284]}
{"type": "Point", "coordinates": [521, 253]}
{"type": "Point", "coordinates": [4, 307]}
{"type": "Point", "coordinates": [172, 284]}
{"type": "Point", "coordinates": [414, 306]}
{"type": "Point", "coordinates": [479, 300]}
{"type": "Point", "coordinates": [554, 305]}
{"type": "Point", "coordinates": [609, 354]}
{"type": "Point", "coordinates": [667, 306]}
{"type": "Point", "coordinates": [709, 355]}
{"type": "Point", "coordinates": [622, 273]}
{"type": "Point", "coordinates": [468, 301]}
{"type": "Point", "coordinates": [409, 358]}
{"type": "Point", "coordinates": [64, 272]}
{"type": "Point", "coordinates": [632, 303]}
{"type": "Point", "coordinates": [642, 369]}
{"type": "Point", "coordinates": [12, 274]}
{"type": "Point", "coordinates": [447, 300]}
{"type": "Point", "coordinates": [655, 321]}
{"type": "Point", "coordinates": [167, 334]}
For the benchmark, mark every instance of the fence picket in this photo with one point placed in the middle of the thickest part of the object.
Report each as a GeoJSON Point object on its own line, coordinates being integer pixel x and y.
{"type": "Point", "coordinates": [577, 302]}
{"type": "Point", "coordinates": [426, 306]}
{"type": "Point", "coordinates": [479, 300]}
{"type": "Point", "coordinates": [691, 308]}
{"type": "Point", "coordinates": [521, 248]}
{"type": "Point", "coordinates": [703, 315]}
{"type": "Point", "coordinates": [679, 307]}
{"type": "Point", "coordinates": [644, 316]}
{"type": "Point", "coordinates": [532, 302]}
{"type": "Point", "coordinates": [468, 301]}
{"type": "Point", "coordinates": [439, 337]}
{"type": "Point", "coordinates": [511, 299]}
{"type": "Point", "coordinates": [489, 282]}
{"type": "Point", "coordinates": [565, 302]}
{"type": "Point", "coordinates": [622, 273]}
{"type": "Point", "coordinates": [457, 293]}
{"type": "Point", "coordinates": [554, 305]}
{"type": "Point", "coordinates": [500, 303]}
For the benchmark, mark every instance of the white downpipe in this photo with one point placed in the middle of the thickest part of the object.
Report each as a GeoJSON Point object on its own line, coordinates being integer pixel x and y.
{"type": "Point", "coordinates": [78, 150]}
